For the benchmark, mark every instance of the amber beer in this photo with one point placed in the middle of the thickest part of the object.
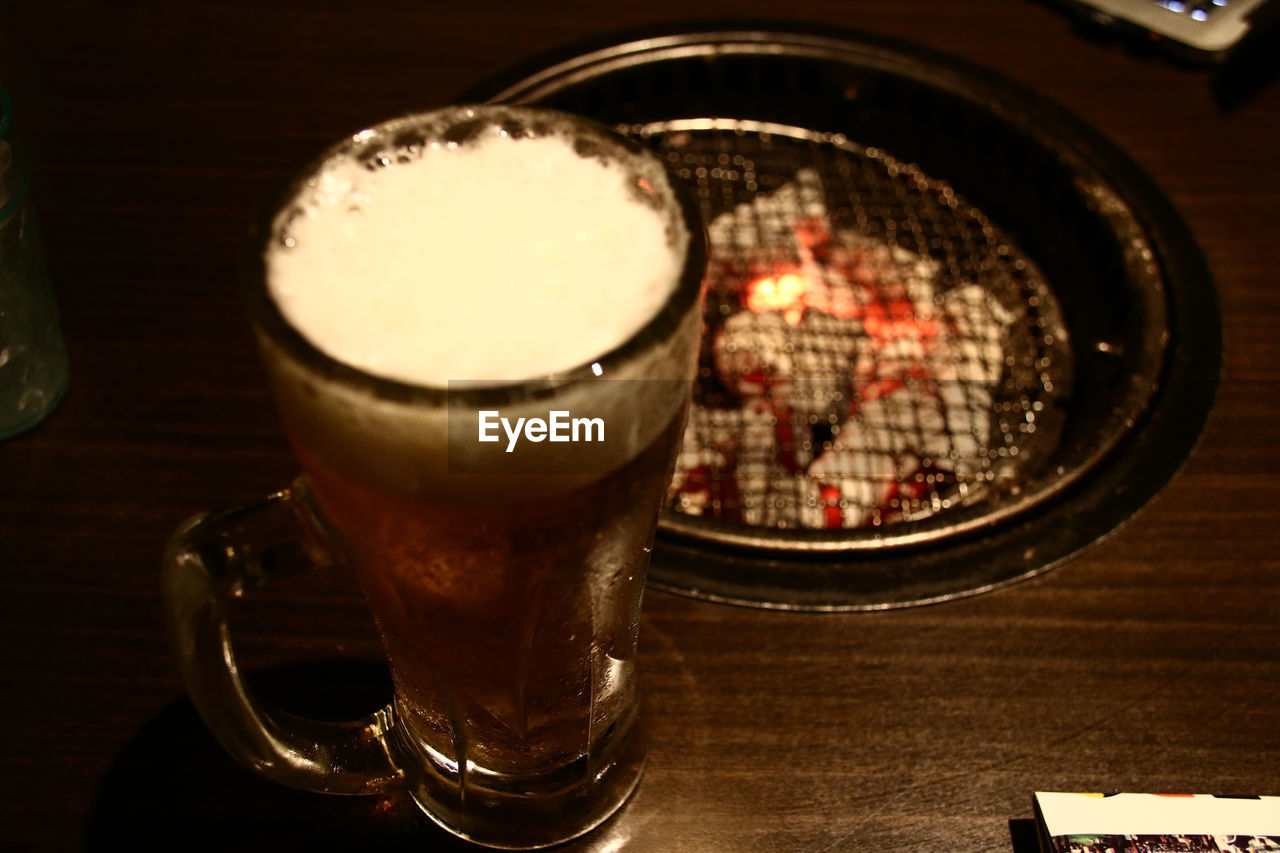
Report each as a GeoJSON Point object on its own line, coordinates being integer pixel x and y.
{"type": "Point", "coordinates": [508, 602]}
{"type": "Point", "coordinates": [510, 620]}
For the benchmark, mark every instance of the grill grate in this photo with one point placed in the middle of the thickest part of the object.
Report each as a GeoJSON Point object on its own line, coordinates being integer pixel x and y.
{"type": "Point", "coordinates": [876, 351]}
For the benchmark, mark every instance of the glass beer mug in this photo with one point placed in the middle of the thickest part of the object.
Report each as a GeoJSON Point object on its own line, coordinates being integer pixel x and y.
{"type": "Point", "coordinates": [507, 601]}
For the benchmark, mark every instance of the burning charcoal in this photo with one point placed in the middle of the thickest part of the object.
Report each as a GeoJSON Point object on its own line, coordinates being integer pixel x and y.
{"type": "Point", "coordinates": [865, 386]}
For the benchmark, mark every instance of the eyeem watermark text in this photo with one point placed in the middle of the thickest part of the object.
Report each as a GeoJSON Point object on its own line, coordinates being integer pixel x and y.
{"type": "Point", "coordinates": [560, 426]}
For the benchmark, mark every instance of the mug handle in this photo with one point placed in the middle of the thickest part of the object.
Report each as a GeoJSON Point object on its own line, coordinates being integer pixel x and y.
{"type": "Point", "coordinates": [215, 557]}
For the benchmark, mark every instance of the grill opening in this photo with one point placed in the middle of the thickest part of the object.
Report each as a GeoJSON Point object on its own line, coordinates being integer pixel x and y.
{"type": "Point", "coordinates": [953, 335]}
{"type": "Point", "coordinates": [875, 351]}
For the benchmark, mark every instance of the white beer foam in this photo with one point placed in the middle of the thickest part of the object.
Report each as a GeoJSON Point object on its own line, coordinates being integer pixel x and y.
{"type": "Point", "coordinates": [499, 259]}
{"type": "Point", "coordinates": [401, 445]}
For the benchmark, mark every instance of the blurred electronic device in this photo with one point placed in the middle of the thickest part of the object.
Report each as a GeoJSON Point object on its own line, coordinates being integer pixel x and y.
{"type": "Point", "coordinates": [1201, 30]}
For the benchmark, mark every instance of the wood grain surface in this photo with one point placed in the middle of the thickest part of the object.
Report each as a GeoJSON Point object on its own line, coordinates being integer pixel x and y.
{"type": "Point", "coordinates": [160, 130]}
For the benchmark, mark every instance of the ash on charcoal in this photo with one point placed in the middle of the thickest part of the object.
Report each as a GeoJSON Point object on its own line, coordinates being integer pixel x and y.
{"type": "Point", "coordinates": [850, 381]}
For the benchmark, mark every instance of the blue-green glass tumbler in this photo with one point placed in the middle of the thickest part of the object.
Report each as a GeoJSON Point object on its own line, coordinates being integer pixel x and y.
{"type": "Point", "coordinates": [33, 360]}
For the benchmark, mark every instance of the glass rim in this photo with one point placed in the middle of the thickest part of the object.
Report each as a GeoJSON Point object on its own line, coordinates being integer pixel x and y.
{"type": "Point", "coordinates": [267, 316]}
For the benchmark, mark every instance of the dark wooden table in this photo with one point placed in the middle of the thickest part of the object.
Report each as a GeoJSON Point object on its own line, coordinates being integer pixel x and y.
{"type": "Point", "coordinates": [161, 129]}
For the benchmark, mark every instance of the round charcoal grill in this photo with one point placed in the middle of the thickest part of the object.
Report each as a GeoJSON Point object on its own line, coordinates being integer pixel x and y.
{"type": "Point", "coordinates": [953, 336]}
{"type": "Point", "coordinates": [877, 351]}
